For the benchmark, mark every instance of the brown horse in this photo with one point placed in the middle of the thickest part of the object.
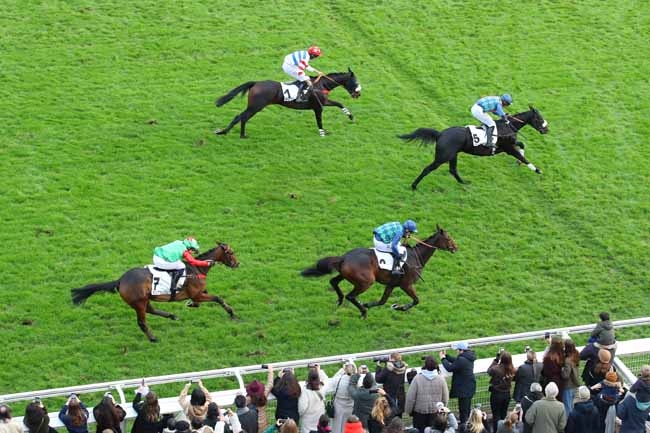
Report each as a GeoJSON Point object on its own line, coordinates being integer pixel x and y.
{"type": "Point", "coordinates": [135, 288]}
{"type": "Point", "coordinates": [360, 268]}
{"type": "Point", "coordinates": [264, 93]}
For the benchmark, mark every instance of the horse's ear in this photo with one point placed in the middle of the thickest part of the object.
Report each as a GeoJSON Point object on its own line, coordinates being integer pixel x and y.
{"type": "Point", "coordinates": [438, 228]}
{"type": "Point", "coordinates": [350, 71]}
{"type": "Point", "coordinates": [531, 107]}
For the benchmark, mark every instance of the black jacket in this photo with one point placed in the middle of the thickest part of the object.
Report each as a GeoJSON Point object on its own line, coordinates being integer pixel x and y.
{"type": "Point", "coordinates": [141, 425]}
{"type": "Point", "coordinates": [248, 419]}
{"type": "Point", "coordinates": [527, 373]}
{"type": "Point", "coordinates": [392, 376]}
{"type": "Point", "coordinates": [287, 407]}
{"type": "Point", "coordinates": [584, 418]}
{"type": "Point", "coordinates": [463, 382]}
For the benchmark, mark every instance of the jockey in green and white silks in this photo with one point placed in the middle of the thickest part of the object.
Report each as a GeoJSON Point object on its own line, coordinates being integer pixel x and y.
{"type": "Point", "coordinates": [491, 104]}
{"type": "Point", "coordinates": [168, 257]}
{"type": "Point", "coordinates": [387, 237]}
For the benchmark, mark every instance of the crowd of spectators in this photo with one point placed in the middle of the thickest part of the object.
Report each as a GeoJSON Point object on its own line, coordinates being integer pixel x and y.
{"type": "Point", "coordinates": [550, 396]}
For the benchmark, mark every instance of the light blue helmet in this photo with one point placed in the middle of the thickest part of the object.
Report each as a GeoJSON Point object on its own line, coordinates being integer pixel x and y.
{"type": "Point", "coordinates": [410, 226]}
{"type": "Point", "coordinates": [506, 98]}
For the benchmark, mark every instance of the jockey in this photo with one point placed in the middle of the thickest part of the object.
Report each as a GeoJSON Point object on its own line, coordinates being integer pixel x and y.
{"type": "Point", "coordinates": [491, 104]}
{"type": "Point", "coordinates": [295, 65]}
{"type": "Point", "coordinates": [387, 237]}
{"type": "Point", "coordinates": [168, 257]}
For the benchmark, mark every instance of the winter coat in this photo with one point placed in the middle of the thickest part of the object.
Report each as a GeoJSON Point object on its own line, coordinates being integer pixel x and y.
{"type": "Point", "coordinates": [392, 376]}
{"type": "Point", "coordinates": [287, 406]}
{"type": "Point", "coordinates": [633, 414]}
{"type": "Point", "coordinates": [141, 425]}
{"type": "Point", "coordinates": [8, 426]}
{"type": "Point", "coordinates": [248, 419]}
{"type": "Point", "coordinates": [546, 416]}
{"type": "Point", "coordinates": [526, 374]}
{"type": "Point", "coordinates": [517, 428]}
{"type": "Point", "coordinates": [552, 372]}
{"type": "Point", "coordinates": [375, 426]}
{"type": "Point", "coordinates": [526, 403]}
{"type": "Point", "coordinates": [363, 399]}
{"type": "Point", "coordinates": [570, 375]}
{"type": "Point", "coordinates": [353, 427]}
{"type": "Point", "coordinates": [67, 420]}
{"type": "Point", "coordinates": [194, 411]}
{"type": "Point", "coordinates": [427, 389]}
{"type": "Point", "coordinates": [590, 354]}
{"type": "Point", "coordinates": [604, 333]}
{"type": "Point", "coordinates": [641, 389]}
{"type": "Point", "coordinates": [311, 406]}
{"type": "Point", "coordinates": [101, 426]}
{"type": "Point", "coordinates": [463, 382]}
{"type": "Point", "coordinates": [584, 418]}
{"type": "Point", "coordinates": [343, 403]}
{"type": "Point", "coordinates": [500, 382]}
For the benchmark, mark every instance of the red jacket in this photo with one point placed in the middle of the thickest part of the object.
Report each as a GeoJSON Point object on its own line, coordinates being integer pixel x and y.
{"type": "Point", "coordinates": [192, 261]}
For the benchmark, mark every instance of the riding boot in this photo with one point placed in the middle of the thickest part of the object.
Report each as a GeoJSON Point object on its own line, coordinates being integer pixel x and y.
{"type": "Point", "coordinates": [488, 137]}
{"type": "Point", "coordinates": [176, 275]}
{"type": "Point", "coordinates": [303, 93]}
{"type": "Point", "coordinates": [397, 270]}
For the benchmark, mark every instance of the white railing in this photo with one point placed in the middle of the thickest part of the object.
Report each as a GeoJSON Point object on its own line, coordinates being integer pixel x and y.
{"type": "Point", "coordinates": [226, 398]}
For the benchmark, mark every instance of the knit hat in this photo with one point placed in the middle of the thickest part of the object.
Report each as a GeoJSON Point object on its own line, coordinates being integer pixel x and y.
{"type": "Point", "coordinates": [255, 388]}
{"type": "Point", "coordinates": [611, 377]}
{"type": "Point", "coordinates": [604, 356]}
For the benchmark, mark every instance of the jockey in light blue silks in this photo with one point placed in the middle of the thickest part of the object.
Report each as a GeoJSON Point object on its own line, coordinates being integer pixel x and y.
{"type": "Point", "coordinates": [388, 236]}
{"type": "Point", "coordinates": [491, 104]}
{"type": "Point", "coordinates": [295, 65]}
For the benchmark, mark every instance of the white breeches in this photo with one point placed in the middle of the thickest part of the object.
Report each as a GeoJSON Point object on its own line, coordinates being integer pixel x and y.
{"type": "Point", "coordinates": [382, 246]}
{"type": "Point", "coordinates": [482, 116]}
{"type": "Point", "coordinates": [161, 263]}
{"type": "Point", "coordinates": [294, 71]}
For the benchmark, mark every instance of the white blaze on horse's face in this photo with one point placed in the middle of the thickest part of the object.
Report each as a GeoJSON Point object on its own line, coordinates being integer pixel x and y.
{"type": "Point", "coordinates": [358, 88]}
{"type": "Point", "coordinates": [545, 124]}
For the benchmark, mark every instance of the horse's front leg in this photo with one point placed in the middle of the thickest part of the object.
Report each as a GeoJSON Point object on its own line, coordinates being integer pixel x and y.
{"type": "Point", "coordinates": [512, 150]}
{"type": "Point", "coordinates": [318, 112]}
{"type": "Point", "coordinates": [410, 290]}
{"type": "Point", "coordinates": [387, 292]}
{"type": "Point", "coordinates": [344, 109]}
{"type": "Point", "coordinates": [206, 297]}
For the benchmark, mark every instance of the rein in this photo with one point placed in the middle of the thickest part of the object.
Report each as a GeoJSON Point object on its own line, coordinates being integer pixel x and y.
{"type": "Point", "coordinates": [423, 243]}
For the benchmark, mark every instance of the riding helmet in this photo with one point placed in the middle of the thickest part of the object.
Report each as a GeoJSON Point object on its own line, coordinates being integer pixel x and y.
{"type": "Point", "coordinates": [410, 226]}
{"type": "Point", "coordinates": [506, 98]}
{"type": "Point", "coordinates": [190, 242]}
{"type": "Point", "coordinates": [314, 51]}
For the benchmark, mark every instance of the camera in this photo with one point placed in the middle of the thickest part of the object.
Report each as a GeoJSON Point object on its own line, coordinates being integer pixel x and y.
{"type": "Point", "coordinates": [280, 421]}
{"type": "Point", "coordinates": [518, 407]}
{"type": "Point", "coordinates": [312, 365]}
{"type": "Point", "coordinates": [265, 366]}
{"type": "Point", "coordinates": [37, 399]}
{"type": "Point", "coordinates": [383, 358]}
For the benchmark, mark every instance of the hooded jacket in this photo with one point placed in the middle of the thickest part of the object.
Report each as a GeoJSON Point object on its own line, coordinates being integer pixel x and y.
{"type": "Point", "coordinates": [584, 418]}
{"type": "Point", "coordinates": [392, 376]}
{"type": "Point", "coordinates": [364, 400]}
{"type": "Point", "coordinates": [463, 382]}
{"type": "Point", "coordinates": [427, 389]}
{"type": "Point", "coordinates": [604, 333]}
{"type": "Point", "coordinates": [633, 414]}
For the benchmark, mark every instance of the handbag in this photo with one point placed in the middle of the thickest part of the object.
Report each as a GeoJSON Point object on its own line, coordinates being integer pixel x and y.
{"type": "Point", "coordinates": [329, 404]}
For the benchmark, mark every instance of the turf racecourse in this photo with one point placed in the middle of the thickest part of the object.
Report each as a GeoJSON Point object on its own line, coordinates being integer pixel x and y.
{"type": "Point", "coordinates": [106, 150]}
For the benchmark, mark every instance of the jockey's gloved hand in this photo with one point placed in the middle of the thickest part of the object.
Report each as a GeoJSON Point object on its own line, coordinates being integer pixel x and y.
{"type": "Point", "coordinates": [210, 262]}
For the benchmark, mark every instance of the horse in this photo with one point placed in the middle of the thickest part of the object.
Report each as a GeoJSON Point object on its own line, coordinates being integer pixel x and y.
{"type": "Point", "coordinates": [264, 93]}
{"type": "Point", "coordinates": [360, 267]}
{"type": "Point", "coordinates": [135, 288]}
{"type": "Point", "coordinates": [457, 139]}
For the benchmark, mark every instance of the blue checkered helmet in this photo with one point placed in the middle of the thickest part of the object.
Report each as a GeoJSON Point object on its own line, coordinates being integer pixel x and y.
{"type": "Point", "coordinates": [410, 226]}
{"type": "Point", "coordinates": [506, 98]}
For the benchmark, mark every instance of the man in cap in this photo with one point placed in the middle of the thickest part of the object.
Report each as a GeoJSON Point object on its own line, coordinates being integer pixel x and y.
{"type": "Point", "coordinates": [463, 382]}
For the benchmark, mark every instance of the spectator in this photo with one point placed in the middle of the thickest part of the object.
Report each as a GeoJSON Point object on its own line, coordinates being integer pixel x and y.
{"type": "Point", "coordinates": [213, 416]}
{"type": "Point", "coordinates": [74, 415]}
{"type": "Point", "coordinates": [182, 426]}
{"type": "Point", "coordinates": [323, 425]}
{"type": "Point", "coordinates": [382, 412]}
{"type": "Point", "coordinates": [553, 362]}
{"type": "Point", "coordinates": [226, 422]}
{"type": "Point", "coordinates": [603, 334]}
{"type": "Point", "coordinates": [363, 398]}
{"type": "Point", "coordinates": [599, 362]}
{"type": "Point", "coordinates": [463, 382]}
{"type": "Point", "coordinates": [609, 389]}
{"type": "Point", "coordinates": [570, 375]}
{"type": "Point", "coordinates": [36, 418]}
{"type": "Point", "coordinates": [257, 396]}
{"type": "Point", "coordinates": [311, 403]}
{"type": "Point", "coordinates": [476, 423]}
{"type": "Point", "coordinates": [170, 426]}
{"type": "Point", "coordinates": [427, 389]}
{"type": "Point", "coordinates": [148, 410]}
{"type": "Point", "coordinates": [199, 427]}
{"type": "Point", "coordinates": [343, 403]}
{"type": "Point", "coordinates": [6, 425]}
{"type": "Point", "coordinates": [197, 405]}
{"type": "Point", "coordinates": [584, 418]}
{"type": "Point", "coordinates": [286, 390]}
{"type": "Point", "coordinates": [547, 415]}
{"type": "Point", "coordinates": [108, 415]}
{"type": "Point", "coordinates": [392, 376]}
{"type": "Point", "coordinates": [634, 409]}
{"type": "Point", "coordinates": [501, 373]}
{"type": "Point", "coordinates": [247, 417]}
{"type": "Point", "coordinates": [353, 424]}
{"type": "Point", "coordinates": [283, 426]}
{"type": "Point", "coordinates": [513, 423]}
{"type": "Point", "coordinates": [443, 421]}
{"type": "Point", "coordinates": [531, 397]}
{"type": "Point", "coordinates": [527, 373]}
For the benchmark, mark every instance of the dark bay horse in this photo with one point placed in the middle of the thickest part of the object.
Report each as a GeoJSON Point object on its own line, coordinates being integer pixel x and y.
{"type": "Point", "coordinates": [264, 93]}
{"type": "Point", "coordinates": [360, 267]}
{"type": "Point", "coordinates": [457, 139]}
{"type": "Point", "coordinates": [135, 288]}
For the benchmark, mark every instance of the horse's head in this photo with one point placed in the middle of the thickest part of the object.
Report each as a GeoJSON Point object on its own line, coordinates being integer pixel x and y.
{"type": "Point", "coordinates": [537, 121]}
{"type": "Point", "coordinates": [443, 241]}
{"type": "Point", "coordinates": [352, 85]}
{"type": "Point", "coordinates": [226, 255]}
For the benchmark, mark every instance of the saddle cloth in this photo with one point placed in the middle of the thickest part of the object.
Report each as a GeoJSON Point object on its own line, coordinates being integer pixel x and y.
{"type": "Point", "coordinates": [479, 137]}
{"type": "Point", "coordinates": [162, 280]}
{"type": "Point", "coordinates": [385, 260]}
{"type": "Point", "coordinates": [289, 91]}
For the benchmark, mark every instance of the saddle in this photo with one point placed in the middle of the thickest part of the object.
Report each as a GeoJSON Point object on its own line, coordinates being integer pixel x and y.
{"type": "Point", "coordinates": [161, 282]}
{"type": "Point", "coordinates": [479, 135]}
{"type": "Point", "coordinates": [385, 260]}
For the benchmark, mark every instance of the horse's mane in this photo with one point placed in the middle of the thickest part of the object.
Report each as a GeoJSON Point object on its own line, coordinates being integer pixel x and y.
{"type": "Point", "coordinates": [204, 255]}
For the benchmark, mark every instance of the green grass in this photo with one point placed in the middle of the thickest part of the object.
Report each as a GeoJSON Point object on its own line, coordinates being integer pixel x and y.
{"type": "Point", "coordinates": [91, 187]}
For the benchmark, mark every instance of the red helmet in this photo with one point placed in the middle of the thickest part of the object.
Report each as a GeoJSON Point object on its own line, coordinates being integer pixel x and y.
{"type": "Point", "coordinates": [314, 51]}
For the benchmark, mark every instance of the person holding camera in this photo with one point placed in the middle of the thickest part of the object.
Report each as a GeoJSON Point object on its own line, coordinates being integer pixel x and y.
{"type": "Point", "coordinates": [257, 398]}
{"type": "Point", "coordinates": [513, 423]}
{"type": "Point", "coordinates": [476, 423]}
{"type": "Point", "coordinates": [219, 421]}
{"type": "Point", "coordinates": [286, 390]}
{"type": "Point", "coordinates": [108, 415]}
{"type": "Point", "coordinates": [338, 386]}
{"type": "Point", "coordinates": [443, 421]}
{"type": "Point", "coordinates": [501, 373]}
{"type": "Point", "coordinates": [364, 397]}
{"type": "Point", "coordinates": [74, 415]}
{"type": "Point", "coordinates": [36, 418]}
{"type": "Point", "coordinates": [197, 404]}
{"type": "Point", "coordinates": [427, 389]}
{"type": "Point", "coordinates": [392, 376]}
{"type": "Point", "coordinates": [283, 425]}
{"type": "Point", "coordinates": [145, 404]}
{"type": "Point", "coordinates": [527, 373]}
{"type": "Point", "coordinates": [311, 403]}
{"type": "Point", "coordinates": [6, 425]}
{"type": "Point", "coordinates": [463, 382]}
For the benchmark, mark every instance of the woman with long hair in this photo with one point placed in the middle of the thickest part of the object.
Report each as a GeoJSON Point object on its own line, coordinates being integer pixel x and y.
{"type": "Point", "coordinates": [475, 423]}
{"type": "Point", "coordinates": [286, 390]}
{"type": "Point", "coordinates": [382, 412]}
{"type": "Point", "coordinates": [311, 403]}
{"type": "Point", "coordinates": [570, 374]}
{"type": "Point", "coordinates": [512, 424]}
{"type": "Point", "coordinates": [257, 399]}
{"type": "Point", "coordinates": [197, 404]}
{"type": "Point", "coordinates": [74, 415]}
{"type": "Point", "coordinates": [36, 418]}
{"type": "Point", "coordinates": [501, 373]}
{"type": "Point", "coordinates": [108, 415]}
{"type": "Point", "coordinates": [553, 363]}
{"type": "Point", "coordinates": [148, 410]}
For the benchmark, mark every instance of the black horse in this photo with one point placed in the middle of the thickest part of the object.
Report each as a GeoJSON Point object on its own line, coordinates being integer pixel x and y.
{"type": "Point", "coordinates": [264, 93]}
{"type": "Point", "coordinates": [458, 139]}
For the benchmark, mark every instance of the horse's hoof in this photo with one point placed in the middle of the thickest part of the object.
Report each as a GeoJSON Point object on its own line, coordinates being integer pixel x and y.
{"type": "Point", "coordinates": [153, 340]}
{"type": "Point", "coordinates": [243, 136]}
{"type": "Point", "coordinates": [351, 117]}
{"type": "Point", "coordinates": [234, 318]}
{"type": "Point", "coordinates": [396, 307]}
{"type": "Point", "coordinates": [538, 171]}
{"type": "Point", "coordinates": [364, 315]}
{"type": "Point", "coordinates": [219, 132]}
{"type": "Point", "coordinates": [339, 302]}
{"type": "Point", "coordinates": [173, 317]}
{"type": "Point", "coordinates": [414, 186]}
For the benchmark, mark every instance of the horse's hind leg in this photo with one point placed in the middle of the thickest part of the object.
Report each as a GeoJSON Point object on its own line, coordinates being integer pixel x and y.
{"type": "Point", "coordinates": [452, 169]}
{"type": "Point", "coordinates": [165, 314]}
{"type": "Point", "coordinates": [335, 285]}
{"type": "Point", "coordinates": [205, 297]}
{"type": "Point", "coordinates": [140, 311]}
{"type": "Point", "coordinates": [230, 126]}
{"type": "Point", "coordinates": [245, 117]}
{"type": "Point", "coordinates": [387, 292]}
{"type": "Point", "coordinates": [428, 169]}
{"type": "Point", "coordinates": [352, 297]}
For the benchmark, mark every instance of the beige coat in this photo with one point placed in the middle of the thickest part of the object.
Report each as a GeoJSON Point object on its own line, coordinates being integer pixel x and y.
{"type": "Point", "coordinates": [194, 411]}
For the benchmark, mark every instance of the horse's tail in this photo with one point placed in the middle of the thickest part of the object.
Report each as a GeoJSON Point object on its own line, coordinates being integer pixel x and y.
{"type": "Point", "coordinates": [425, 135]}
{"type": "Point", "coordinates": [323, 267]}
{"type": "Point", "coordinates": [80, 295]}
{"type": "Point", "coordinates": [234, 92]}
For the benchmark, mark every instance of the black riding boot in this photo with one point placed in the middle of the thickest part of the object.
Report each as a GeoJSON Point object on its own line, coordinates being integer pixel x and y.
{"type": "Point", "coordinates": [176, 275]}
{"type": "Point", "coordinates": [488, 137]}
{"type": "Point", "coordinates": [303, 92]}
{"type": "Point", "coordinates": [397, 270]}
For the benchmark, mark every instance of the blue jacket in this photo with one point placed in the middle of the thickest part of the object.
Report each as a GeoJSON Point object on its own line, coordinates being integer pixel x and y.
{"type": "Point", "coordinates": [584, 418]}
{"type": "Point", "coordinates": [492, 104]}
{"type": "Point", "coordinates": [632, 416]}
{"type": "Point", "coordinates": [391, 233]}
{"type": "Point", "coordinates": [67, 421]}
